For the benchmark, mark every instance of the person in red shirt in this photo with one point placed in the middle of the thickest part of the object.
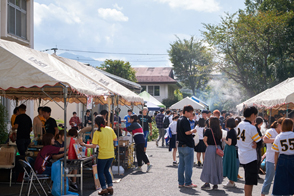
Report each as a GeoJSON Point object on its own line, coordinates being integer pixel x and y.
{"type": "Point", "coordinates": [47, 152]}
{"type": "Point", "coordinates": [74, 121]}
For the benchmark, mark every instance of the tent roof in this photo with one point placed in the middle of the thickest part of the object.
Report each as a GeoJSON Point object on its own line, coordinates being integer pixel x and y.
{"type": "Point", "coordinates": [199, 101]}
{"type": "Point", "coordinates": [151, 106]}
{"type": "Point", "coordinates": [187, 101]}
{"type": "Point", "coordinates": [127, 96]}
{"type": "Point", "coordinates": [29, 74]}
{"type": "Point", "coordinates": [276, 97]}
{"type": "Point", "coordinates": [147, 97]}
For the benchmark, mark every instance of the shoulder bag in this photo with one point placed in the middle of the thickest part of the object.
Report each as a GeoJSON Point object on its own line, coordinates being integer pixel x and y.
{"type": "Point", "coordinates": [218, 151]}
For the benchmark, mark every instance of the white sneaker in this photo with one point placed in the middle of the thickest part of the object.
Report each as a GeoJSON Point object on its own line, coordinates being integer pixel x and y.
{"type": "Point", "coordinates": [229, 185]}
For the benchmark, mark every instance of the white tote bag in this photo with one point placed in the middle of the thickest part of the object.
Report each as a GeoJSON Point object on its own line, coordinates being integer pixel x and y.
{"type": "Point", "coordinates": [196, 139]}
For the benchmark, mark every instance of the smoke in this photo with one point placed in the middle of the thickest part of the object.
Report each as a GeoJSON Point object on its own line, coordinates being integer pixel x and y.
{"type": "Point", "coordinates": [223, 94]}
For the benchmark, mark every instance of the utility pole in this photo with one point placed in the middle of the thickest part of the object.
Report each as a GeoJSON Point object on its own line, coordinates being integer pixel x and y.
{"type": "Point", "coordinates": [54, 49]}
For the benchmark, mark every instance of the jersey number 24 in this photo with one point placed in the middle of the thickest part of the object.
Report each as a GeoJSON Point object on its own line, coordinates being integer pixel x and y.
{"type": "Point", "coordinates": [241, 135]}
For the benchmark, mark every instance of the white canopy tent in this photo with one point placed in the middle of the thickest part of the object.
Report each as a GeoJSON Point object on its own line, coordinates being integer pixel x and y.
{"type": "Point", "coordinates": [280, 96]}
{"type": "Point", "coordinates": [27, 74]}
{"type": "Point", "coordinates": [187, 101]}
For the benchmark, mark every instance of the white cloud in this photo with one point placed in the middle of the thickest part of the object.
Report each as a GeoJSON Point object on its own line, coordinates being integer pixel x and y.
{"type": "Point", "coordinates": [198, 5]}
{"type": "Point", "coordinates": [53, 12]}
{"type": "Point", "coordinates": [117, 7]}
{"type": "Point", "coordinates": [112, 14]}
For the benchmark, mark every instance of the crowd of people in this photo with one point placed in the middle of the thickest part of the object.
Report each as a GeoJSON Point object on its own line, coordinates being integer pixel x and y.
{"type": "Point", "coordinates": [226, 141]}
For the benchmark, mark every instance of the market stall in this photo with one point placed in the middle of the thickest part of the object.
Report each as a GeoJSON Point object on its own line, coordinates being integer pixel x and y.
{"type": "Point", "coordinates": [27, 74]}
{"type": "Point", "coordinates": [280, 96]}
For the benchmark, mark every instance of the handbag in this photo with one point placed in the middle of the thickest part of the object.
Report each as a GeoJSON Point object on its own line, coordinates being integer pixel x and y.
{"type": "Point", "coordinates": [196, 139]}
{"type": "Point", "coordinates": [218, 151]}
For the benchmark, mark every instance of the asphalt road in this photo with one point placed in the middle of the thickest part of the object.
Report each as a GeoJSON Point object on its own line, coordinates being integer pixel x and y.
{"type": "Point", "coordinates": [161, 180]}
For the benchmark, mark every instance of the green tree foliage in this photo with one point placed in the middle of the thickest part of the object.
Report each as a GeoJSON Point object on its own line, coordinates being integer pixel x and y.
{"type": "Point", "coordinates": [192, 62]}
{"type": "Point", "coordinates": [119, 68]}
{"type": "Point", "coordinates": [251, 48]}
{"type": "Point", "coordinates": [3, 124]}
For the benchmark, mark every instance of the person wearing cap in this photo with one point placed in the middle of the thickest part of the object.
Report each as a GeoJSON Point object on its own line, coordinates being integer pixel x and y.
{"type": "Point", "coordinates": [159, 123]}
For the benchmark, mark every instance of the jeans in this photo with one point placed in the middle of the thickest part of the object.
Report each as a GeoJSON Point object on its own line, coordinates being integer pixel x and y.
{"type": "Point", "coordinates": [141, 155]}
{"type": "Point", "coordinates": [186, 158]}
{"type": "Point", "coordinates": [146, 135]}
{"type": "Point", "coordinates": [22, 145]}
{"type": "Point", "coordinates": [103, 169]}
{"type": "Point", "coordinates": [161, 132]}
{"type": "Point", "coordinates": [284, 176]}
{"type": "Point", "coordinates": [269, 176]}
{"type": "Point", "coordinates": [47, 171]}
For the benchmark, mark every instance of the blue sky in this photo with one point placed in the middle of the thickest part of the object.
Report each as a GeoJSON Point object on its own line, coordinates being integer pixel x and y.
{"type": "Point", "coordinates": [129, 26]}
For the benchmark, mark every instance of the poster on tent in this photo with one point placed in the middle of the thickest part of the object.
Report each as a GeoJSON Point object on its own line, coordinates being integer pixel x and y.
{"type": "Point", "coordinates": [89, 103]}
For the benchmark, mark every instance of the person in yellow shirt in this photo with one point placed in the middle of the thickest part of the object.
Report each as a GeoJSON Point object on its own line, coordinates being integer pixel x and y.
{"type": "Point", "coordinates": [39, 124]}
{"type": "Point", "coordinates": [15, 113]}
{"type": "Point", "coordinates": [103, 139]}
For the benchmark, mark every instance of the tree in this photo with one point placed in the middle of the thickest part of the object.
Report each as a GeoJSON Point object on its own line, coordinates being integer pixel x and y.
{"type": "Point", "coordinates": [192, 62]}
{"type": "Point", "coordinates": [247, 45]}
{"type": "Point", "coordinates": [119, 68]}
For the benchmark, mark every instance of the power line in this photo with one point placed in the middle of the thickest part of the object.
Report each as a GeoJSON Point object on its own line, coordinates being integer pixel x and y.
{"type": "Point", "coordinates": [123, 53]}
{"type": "Point", "coordinates": [127, 60]}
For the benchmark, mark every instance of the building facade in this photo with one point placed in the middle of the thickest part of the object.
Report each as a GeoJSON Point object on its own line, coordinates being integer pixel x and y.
{"type": "Point", "coordinates": [17, 25]}
{"type": "Point", "coordinates": [157, 81]}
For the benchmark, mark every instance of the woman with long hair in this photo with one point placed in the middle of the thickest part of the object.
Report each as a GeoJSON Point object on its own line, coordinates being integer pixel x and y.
{"type": "Point", "coordinates": [103, 138]}
{"type": "Point", "coordinates": [212, 171]}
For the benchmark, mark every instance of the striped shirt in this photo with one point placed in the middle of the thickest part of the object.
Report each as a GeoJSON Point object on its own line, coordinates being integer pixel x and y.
{"type": "Point", "coordinates": [137, 131]}
{"type": "Point", "coordinates": [284, 143]}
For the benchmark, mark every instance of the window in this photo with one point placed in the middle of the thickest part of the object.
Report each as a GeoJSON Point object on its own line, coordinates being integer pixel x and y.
{"type": "Point", "coordinates": [17, 18]}
{"type": "Point", "coordinates": [150, 90]}
{"type": "Point", "coordinates": [143, 88]}
{"type": "Point", "coordinates": [154, 90]}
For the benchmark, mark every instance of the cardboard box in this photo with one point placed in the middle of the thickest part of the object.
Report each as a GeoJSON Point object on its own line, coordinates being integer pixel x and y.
{"type": "Point", "coordinates": [6, 156]}
{"type": "Point", "coordinates": [123, 142]}
{"type": "Point", "coordinates": [96, 179]}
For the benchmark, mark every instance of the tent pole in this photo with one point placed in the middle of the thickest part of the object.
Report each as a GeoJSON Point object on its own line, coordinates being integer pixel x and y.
{"type": "Point", "coordinates": [65, 132]}
{"type": "Point", "coordinates": [269, 120]}
{"type": "Point", "coordinates": [287, 110]}
{"type": "Point", "coordinates": [16, 102]}
{"type": "Point", "coordinates": [117, 129]}
{"type": "Point", "coordinates": [39, 102]}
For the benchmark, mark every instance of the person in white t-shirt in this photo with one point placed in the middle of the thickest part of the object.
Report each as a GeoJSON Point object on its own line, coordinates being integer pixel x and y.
{"type": "Point", "coordinates": [283, 147]}
{"type": "Point", "coordinates": [268, 139]}
{"type": "Point", "coordinates": [173, 139]}
{"type": "Point", "coordinates": [201, 147]}
{"type": "Point", "coordinates": [247, 141]}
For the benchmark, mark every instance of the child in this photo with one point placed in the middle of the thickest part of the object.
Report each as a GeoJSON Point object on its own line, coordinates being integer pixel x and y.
{"type": "Point", "coordinates": [173, 139]}
{"type": "Point", "coordinates": [200, 148]}
{"type": "Point", "coordinates": [48, 151]}
{"type": "Point", "coordinates": [283, 147]}
{"type": "Point", "coordinates": [138, 134]}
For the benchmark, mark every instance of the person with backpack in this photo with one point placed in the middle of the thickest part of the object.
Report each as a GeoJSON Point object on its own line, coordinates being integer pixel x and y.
{"type": "Point", "coordinates": [160, 125]}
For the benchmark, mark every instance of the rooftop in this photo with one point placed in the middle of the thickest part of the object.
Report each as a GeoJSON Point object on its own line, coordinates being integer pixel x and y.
{"type": "Point", "coordinates": [155, 75]}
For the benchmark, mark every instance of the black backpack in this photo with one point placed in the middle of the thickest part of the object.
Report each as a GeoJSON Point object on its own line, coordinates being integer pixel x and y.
{"type": "Point", "coordinates": [166, 121]}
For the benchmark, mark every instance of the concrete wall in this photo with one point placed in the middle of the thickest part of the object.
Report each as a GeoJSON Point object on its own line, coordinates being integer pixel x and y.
{"type": "Point", "coordinates": [166, 91]}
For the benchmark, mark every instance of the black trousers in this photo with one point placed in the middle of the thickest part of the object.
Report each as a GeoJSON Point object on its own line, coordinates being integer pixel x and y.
{"type": "Point", "coordinates": [141, 155]}
{"type": "Point", "coordinates": [22, 145]}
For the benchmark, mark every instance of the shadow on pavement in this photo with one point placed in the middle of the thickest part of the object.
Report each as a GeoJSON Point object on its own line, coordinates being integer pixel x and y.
{"type": "Point", "coordinates": [189, 191]}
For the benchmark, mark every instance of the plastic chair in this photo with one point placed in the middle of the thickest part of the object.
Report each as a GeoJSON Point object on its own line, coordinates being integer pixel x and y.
{"type": "Point", "coordinates": [10, 166]}
{"type": "Point", "coordinates": [30, 176]}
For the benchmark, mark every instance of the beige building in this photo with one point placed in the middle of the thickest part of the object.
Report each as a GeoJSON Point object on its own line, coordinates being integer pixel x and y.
{"type": "Point", "coordinates": [17, 25]}
{"type": "Point", "coordinates": [157, 81]}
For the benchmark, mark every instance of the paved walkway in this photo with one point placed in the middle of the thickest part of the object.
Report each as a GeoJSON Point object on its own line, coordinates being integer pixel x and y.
{"type": "Point", "coordinates": [161, 180]}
